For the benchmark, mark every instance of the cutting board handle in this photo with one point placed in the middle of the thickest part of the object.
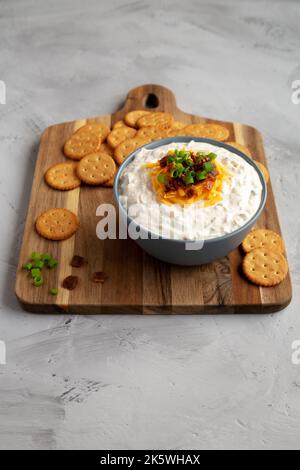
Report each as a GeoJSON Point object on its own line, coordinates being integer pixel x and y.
{"type": "Point", "coordinates": [150, 97]}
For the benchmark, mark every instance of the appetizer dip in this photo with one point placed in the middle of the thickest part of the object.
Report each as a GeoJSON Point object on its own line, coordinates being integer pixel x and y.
{"type": "Point", "coordinates": [193, 191]}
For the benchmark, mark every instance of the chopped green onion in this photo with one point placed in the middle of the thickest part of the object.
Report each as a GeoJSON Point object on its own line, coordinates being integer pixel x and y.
{"type": "Point", "coordinates": [52, 263]}
{"type": "Point", "coordinates": [161, 178]}
{"type": "Point", "coordinates": [38, 281]}
{"type": "Point", "coordinates": [36, 256]}
{"type": "Point", "coordinates": [212, 156]}
{"type": "Point", "coordinates": [188, 178]}
{"type": "Point", "coordinates": [35, 272]}
{"type": "Point", "coordinates": [38, 264]}
{"type": "Point", "coordinates": [54, 291]}
{"type": "Point", "coordinates": [27, 266]}
{"type": "Point", "coordinates": [208, 166]}
{"type": "Point", "coordinates": [201, 175]}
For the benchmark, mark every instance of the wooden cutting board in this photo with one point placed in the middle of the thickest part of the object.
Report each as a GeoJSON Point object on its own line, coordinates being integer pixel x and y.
{"type": "Point", "coordinates": [137, 283]}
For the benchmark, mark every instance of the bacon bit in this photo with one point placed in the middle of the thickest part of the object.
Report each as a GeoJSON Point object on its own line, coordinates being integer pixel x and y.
{"type": "Point", "coordinates": [99, 277]}
{"type": "Point", "coordinates": [163, 161]}
{"type": "Point", "coordinates": [77, 261]}
{"type": "Point", "coordinates": [190, 192]}
{"type": "Point", "coordinates": [70, 282]}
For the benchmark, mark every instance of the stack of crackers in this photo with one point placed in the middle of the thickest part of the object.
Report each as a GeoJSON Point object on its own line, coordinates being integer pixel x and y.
{"type": "Point", "coordinates": [264, 263]}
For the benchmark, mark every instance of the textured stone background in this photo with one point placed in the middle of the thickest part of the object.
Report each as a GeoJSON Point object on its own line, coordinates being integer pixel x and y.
{"type": "Point", "coordinates": [153, 382]}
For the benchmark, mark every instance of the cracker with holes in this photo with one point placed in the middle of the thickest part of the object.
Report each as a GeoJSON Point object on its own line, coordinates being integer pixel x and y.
{"type": "Point", "coordinates": [81, 144]}
{"type": "Point", "coordinates": [101, 130]}
{"type": "Point", "coordinates": [119, 135]}
{"type": "Point", "coordinates": [265, 268]}
{"type": "Point", "coordinates": [156, 119]}
{"type": "Point", "coordinates": [151, 133]}
{"type": "Point", "coordinates": [62, 176]}
{"type": "Point", "coordinates": [132, 117]}
{"type": "Point", "coordinates": [125, 148]}
{"type": "Point", "coordinates": [119, 124]}
{"type": "Point", "coordinates": [96, 169]}
{"type": "Point", "coordinates": [211, 131]}
{"type": "Point", "coordinates": [263, 238]}
{"type": "Point", "coordinates": [57, 224]}
{"type": "Point", "coordinates": [178, 125]}
{"type": "Point", "coordinates": [240, 147]}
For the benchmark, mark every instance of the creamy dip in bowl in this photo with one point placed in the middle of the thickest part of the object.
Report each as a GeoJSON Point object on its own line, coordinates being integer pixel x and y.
{"type": "Point", "coordinates": [191, 229]}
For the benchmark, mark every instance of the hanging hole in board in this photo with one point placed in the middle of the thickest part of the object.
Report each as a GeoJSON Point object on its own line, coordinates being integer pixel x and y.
{"type": "Point", "coordinates": [151, 101]}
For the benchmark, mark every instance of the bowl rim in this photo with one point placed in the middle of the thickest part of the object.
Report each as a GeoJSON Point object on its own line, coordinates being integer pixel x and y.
{"type": "Point", "coordinates": [187, 139]}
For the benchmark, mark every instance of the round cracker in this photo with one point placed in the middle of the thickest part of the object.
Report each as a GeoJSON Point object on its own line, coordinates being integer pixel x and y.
{"type": "Point", "coordinates": [151, 133]}
{"type": "Point", "coordinates": [81, 144]}
{"type": "Point", "coordinates": [263, 170]}
{"type": "Point", "coordinates": [62, 176]}
{"type": "Point", "coordinates": [263, 238]}
{"type": "Point", "coordinates": [178, 125]}
{"type": "Point", "coordinates": [57, 224]}
{"type": "Point", "coordinates": [119, 124]}
{"type": "Point", "coordinates": [110, 182]}
{"type": "Point", "coordinates": [132, 117]}
{"type": "Point", "coordinates": [264, 267]}
{"type": "Point", "coordinates": [125, 148]}
{"type": "Point", "coordinates": [119, 135]}
{"type": "Point", "coordinates": [96, 168]}
{"type": "Point", "coordinates": [240, 147]}
{"type": "Point", "coordinates": [211, 131]}
{"type": "Point", "coordinates": [156, 119]}
{"type": "Point", "coordinates": [101, 130]}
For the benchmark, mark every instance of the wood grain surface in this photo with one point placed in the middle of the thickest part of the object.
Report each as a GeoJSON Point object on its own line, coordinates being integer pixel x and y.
{"type": "Point", "coordinates": [137, 283]}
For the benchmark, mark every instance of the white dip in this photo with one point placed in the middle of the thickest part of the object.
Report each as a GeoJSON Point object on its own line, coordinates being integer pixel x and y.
{"type": "Point", "coordinates": [241, 197]}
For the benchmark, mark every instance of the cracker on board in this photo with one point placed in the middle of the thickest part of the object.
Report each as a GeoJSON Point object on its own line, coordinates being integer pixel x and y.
{"type": "Point", "coordinates": [211, 131]}
{"type": "Point", "coordinates": [265, 268]}
{"type": "Point", "coordinates": [132, 117]}
{"type": "Point", "coordinates": [57, 224]}
{"type": "Point", "coordinates": [81, 144]}
{"type": "Point", "coordinates": [110, 182]}
{"type": "Point", "coordinates": [263, 238]}
{"type": "Point", "coordinates": [126, 147]}
{"type": "Point", "coordinates": [119, 135]}
{"type": "Point", "coordinates": [178, 125]}
{"type": "Point", "coordinates": [156, 119]}
{"type": "Point", "coordinates": [151, 133]}
{"type": "Point", "coordinates": [96, 168]}
{"type": "Point", "coordinates": [119, 124]}
{"type": "Point", "coordinates": [101, 130]}
{"type": "Point", "coordinates": [62, 176]}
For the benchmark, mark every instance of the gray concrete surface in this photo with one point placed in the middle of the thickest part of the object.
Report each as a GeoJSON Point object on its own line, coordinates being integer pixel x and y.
{"type": "Point", "coordinates": [148, 382]}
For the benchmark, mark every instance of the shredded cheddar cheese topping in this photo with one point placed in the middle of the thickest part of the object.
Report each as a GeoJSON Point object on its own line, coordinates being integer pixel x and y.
{"type": "Point", "coordinates": [184, 177]}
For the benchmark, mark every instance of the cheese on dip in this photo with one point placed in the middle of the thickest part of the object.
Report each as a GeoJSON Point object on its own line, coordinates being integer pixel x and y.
{"type": "Point", "coordinates": [193, 191]}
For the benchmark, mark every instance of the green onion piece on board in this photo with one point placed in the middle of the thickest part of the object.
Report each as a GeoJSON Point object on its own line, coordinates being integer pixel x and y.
{"type": "Point", "coordinates": [35, 272]}
{"type": "Point", "coordinates": [52, 263]}
{"type": "Point", "coordinates": [38, 281]}
{"type": "Point", "coordinates": [27, 266]}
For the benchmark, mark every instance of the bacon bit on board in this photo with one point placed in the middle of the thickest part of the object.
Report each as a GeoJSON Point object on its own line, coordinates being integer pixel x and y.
{"type": "Point", "coordinates": [70, 282]}
{"type": "Point", "coordinates": [99, 277]}
{"type": "Point", "coordinates": [77, 261]}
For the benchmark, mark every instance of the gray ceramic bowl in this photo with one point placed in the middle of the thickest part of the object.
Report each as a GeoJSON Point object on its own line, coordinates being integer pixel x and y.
{"type": "Point", "coordinates": [180, 251]}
